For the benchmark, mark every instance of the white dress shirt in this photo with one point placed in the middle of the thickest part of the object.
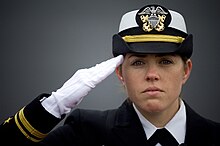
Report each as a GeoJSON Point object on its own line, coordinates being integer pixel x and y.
{"type": "Point", "coordinates": [176, 126]}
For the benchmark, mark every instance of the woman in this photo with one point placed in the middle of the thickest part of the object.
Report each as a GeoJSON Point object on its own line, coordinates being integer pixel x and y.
{"type": "Point", "coordinates": [155, 49]}
{"type": "Point", "coordinates": [154, 82]}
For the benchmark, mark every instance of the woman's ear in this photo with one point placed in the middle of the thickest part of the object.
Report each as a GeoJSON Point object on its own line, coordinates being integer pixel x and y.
{"type": "Point", "coordinates": [118, 71]}
{"type": "Point", "coordinates": [187, 70]}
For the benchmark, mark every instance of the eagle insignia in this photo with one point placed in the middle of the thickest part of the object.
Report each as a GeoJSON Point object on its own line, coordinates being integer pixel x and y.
{"type": "Point", "coordinates": [152, 17]}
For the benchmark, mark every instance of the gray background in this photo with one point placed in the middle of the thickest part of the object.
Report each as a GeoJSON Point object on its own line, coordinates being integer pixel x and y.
{"type": "Point", "coordinates": [43, 42]}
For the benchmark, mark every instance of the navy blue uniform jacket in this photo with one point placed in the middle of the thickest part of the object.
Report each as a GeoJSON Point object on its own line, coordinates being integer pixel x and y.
{"type": "Point", "coordinates": [33, 125]}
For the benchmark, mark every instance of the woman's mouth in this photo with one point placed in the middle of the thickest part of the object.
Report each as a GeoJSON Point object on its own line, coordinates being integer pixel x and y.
{"type": "Point", "coordinates": [152, 91]}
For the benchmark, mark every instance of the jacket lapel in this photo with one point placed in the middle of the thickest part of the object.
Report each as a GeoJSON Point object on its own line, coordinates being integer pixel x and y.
{"type": "Point", "coordinates": [197, 131]}
{"type": "Point", "coordinates": [128, 126]}
{"type": "Point", "coordinates": [129, 130]}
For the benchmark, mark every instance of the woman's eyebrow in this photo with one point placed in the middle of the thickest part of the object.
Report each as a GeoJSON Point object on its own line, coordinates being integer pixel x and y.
{"type": "Point", "coordinates": [163, 55]}
{"type": "Point", "coordinates": [138, 55]}
{"type": "Point", "coordinates": [145, 55]}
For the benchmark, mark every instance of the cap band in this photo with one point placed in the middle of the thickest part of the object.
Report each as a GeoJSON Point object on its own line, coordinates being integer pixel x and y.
{"type": "Point", "coordinates": [153, 38]}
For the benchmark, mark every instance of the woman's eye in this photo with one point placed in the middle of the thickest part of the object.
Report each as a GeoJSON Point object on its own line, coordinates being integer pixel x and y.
{"type": "Point", "coordinates": [137, 63]}
{"type": "Point", "coordinates": [166, 61]}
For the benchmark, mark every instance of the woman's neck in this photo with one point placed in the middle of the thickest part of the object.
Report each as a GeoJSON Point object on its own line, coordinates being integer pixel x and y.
{"type": "Point", "coordinates": [160, 119]}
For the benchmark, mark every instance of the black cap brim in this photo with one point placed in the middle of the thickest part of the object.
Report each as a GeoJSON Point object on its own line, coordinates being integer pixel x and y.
{"type": "Point", "coordinates": [121, 47]}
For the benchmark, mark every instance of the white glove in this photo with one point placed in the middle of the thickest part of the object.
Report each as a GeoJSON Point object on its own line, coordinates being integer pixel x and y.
{"type": "Point", "coordinates": [78, 86]}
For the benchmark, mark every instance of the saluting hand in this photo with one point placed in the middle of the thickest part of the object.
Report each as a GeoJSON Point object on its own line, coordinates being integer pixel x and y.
{"type": "Point", "coordinates": [78, 86]}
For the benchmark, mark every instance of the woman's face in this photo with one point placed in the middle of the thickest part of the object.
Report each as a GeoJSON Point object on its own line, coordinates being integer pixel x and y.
{"type": "Point", "coordinates": [153, 82]}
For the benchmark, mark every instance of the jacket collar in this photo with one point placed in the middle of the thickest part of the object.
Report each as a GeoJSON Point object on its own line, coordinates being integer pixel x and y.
{"type": "Point", "coordinates": [129, 128]}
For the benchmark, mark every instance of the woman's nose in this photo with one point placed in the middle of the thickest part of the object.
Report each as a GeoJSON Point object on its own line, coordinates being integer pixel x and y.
{"type": "Point", "coordinates": [152, 74]}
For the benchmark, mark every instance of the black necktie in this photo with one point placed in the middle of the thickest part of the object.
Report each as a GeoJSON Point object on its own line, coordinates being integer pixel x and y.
{"type": "Point", "coordinates": [163, 137]}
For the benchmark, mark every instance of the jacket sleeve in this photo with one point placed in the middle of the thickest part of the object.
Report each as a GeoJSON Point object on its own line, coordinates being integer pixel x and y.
{"type": "Point", "coordinates": [29, 125]}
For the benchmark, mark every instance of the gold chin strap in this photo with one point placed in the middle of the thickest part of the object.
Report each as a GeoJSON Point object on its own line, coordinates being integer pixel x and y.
{"type": "Point", "coordinates": [153, 38]}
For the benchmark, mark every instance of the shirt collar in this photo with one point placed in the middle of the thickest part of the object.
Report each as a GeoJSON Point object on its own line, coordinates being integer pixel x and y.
{"type": "Point", "coordinates": [176, 126]}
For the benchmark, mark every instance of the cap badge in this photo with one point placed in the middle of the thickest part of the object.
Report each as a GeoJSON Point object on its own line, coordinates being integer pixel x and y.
{"type": "Point", "coordinates": [152, 17]}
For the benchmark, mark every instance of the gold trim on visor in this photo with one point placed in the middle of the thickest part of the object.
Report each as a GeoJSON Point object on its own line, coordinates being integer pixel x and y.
{"type": "Point", "coordinates": [153, 38]}
{"type": "Point", "coordinates": [34, 132]}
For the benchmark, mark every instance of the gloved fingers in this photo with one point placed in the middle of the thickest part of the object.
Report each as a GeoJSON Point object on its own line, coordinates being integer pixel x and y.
{"type": "Point", "coordinates": [99, 72]}
{"type": "Point", "coordinates": [111, 63]}
{"type": "Point", "coordinates": [106, 67]}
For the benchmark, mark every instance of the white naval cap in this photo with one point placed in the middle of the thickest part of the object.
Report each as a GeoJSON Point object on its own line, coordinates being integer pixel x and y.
{"type": "Point", "coordinates": [152, 29]}
{"type": "Point", "coordinates": [128, 21]}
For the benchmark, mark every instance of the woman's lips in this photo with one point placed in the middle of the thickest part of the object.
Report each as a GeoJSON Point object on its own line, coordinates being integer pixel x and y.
{"type": "Point", "coordinates": [152, 91]}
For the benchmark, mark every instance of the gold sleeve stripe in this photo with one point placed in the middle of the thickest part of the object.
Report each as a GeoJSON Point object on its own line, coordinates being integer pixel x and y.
{"type": "Point", "coordinates": [22, 130]}
{"type": "Point", "coordinates": [153, 38]}
{"type": "Point", "coordinates": [28, 126]}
